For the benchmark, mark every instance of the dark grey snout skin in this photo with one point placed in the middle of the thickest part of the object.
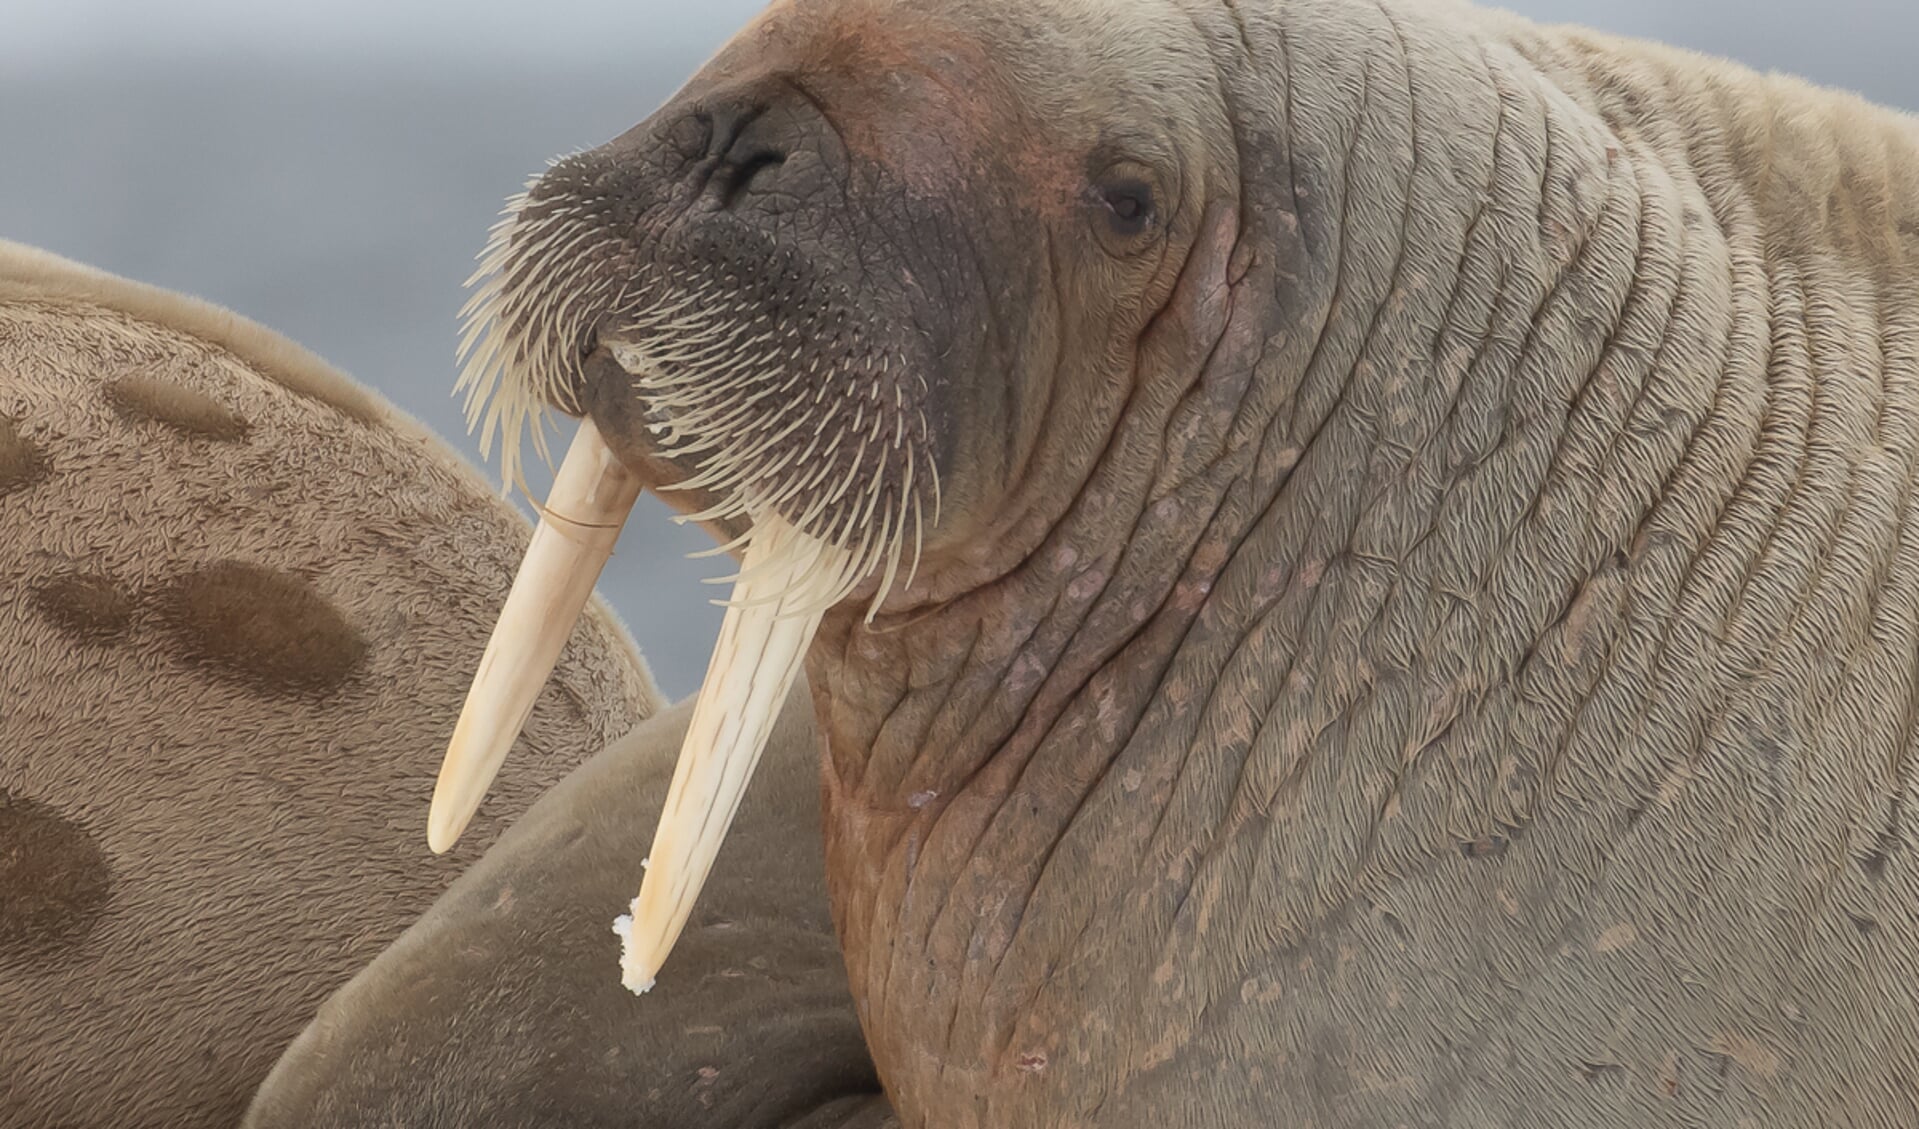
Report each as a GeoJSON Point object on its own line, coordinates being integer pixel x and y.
{"type": "Point", "coordinates": [502, 1006]}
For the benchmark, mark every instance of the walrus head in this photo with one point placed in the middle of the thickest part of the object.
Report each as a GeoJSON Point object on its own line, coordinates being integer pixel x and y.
{"type": "Point", "coordinates": [865, 298]}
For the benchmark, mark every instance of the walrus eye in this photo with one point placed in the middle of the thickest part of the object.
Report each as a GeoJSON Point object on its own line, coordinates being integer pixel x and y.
{"type": "Point", "coordinates": [1129, 206]}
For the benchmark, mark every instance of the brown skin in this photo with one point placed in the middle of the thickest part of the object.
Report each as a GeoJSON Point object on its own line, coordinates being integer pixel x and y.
{"type": "Point", "coordinates": [243, 600]}
{"type": "Point", "coordinates": [1420, 634]}
{"type": "Point", "coordinates": [502, 1005]}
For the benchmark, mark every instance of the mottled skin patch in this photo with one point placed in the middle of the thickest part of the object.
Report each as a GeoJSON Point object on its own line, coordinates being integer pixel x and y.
{"type": "Point", "coordinates": [182, 409]}
{"type": "Point", "coordinates": [262, 844]}
{"type": "Point", "coordinates": [88, 607]}
{"type": "Point", "coordinates": [54, 883]}
{"type": "Point", "coordinates": [21, 462]}
{"type": "Point", "coordinates": [262, 627]}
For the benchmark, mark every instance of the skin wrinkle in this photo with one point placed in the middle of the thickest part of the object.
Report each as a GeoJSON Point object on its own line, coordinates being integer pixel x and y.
{"type": "Point", "coordinates": [1663, 358]}
{"type": "Point", "coordinates": [1255, 624]}
{"type": "Point", "coordinates": [1372, 330]}
{"type": "Point", "coordinates": [1407, 455]}
{"type": "Point", "coordinates": [1152, 834]}
{"type": "Point", "coordinates": [1340, 224]}
{"type": "Point", "coordinates": [1788, 308]}
{"type": "Point", "coordinates": [1398, 597]}
{"type": "Point", "coordinates": [1546, 480]}
{"type": "Point", "coordinates": [1028, 708]}
{"type": "Point", "coordinates": [1647, 243]}
{"type": "Point", "coordinates": [1825, 559]}
{"type": "Point", "coordinates": [1717, 545]}
{"type": "Point", "coordinates": [1624, 317]}
{"type": "Point", "coordinates": [1697, 451]}
{"type": "Point", "coordinates": [941, 805]}
{"type": "Point", "coordinates": [1902, 766]}
{"type": "Point", "coordinates": [1104, 772]}
{"type": "Point", "coordinates": [940, 911]}
{"type": "Point", "coordinates": [1098, 777]}
{"type": "Point", "coordinates": [1013, 788]}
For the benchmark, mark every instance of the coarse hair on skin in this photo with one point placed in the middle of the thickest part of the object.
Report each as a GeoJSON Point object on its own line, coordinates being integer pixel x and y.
{"type": "Point", "coordinates": [723, 376]}
{"type": "Point", "coordinates": [222, 548]}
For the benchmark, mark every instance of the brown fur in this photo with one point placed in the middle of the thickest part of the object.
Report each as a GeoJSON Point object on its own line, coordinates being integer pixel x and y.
{"type": "Point", "coordinates": [183, 409]}
{"type": "Point", "coordinates": [247, 597]}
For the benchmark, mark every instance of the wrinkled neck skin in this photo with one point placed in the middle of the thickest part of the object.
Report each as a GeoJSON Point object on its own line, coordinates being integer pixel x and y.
{"type": "Point", "coordinates": [1393, 449]}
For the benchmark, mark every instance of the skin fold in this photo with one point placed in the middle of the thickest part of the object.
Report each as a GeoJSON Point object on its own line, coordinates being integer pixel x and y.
{"type": "Point", "coordinates": [501, 1006]}
{"type": "Point", "coordinates": [1421, 629]}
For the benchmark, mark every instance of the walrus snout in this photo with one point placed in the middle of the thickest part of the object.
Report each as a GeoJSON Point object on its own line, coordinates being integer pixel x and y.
{"type": "Point", "coordinates": [855, 301]}
{"type": "Point", "coordinates": [705, 291]}
{"type": "Point", "coordinates": [759, 149]}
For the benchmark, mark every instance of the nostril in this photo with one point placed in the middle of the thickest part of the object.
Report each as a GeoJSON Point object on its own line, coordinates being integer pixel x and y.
{"type": "Point", "coordinates": [737, 176]}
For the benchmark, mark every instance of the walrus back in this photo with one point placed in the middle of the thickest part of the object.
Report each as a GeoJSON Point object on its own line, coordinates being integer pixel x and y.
{"type": "Point", "coordinates": [243, 598]}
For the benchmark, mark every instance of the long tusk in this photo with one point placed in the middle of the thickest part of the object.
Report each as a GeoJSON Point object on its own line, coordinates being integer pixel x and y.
{"type": "Point", "coordinates": [786, 580]}
{"type": "Point", "coordinates": [592, 495]}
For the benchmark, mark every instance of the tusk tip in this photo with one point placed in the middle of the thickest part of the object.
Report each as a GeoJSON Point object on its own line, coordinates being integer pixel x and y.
{"type": "Point", "coordinates": [592, 495]}
{"type": "Point", "coordinates": [442, 830]}
{"type": "Point", "coordinates": [635, 977]}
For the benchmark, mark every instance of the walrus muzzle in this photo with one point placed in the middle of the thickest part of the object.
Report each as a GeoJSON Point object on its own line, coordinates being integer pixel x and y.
{"type": "Point", "coordinates": [684, 290]}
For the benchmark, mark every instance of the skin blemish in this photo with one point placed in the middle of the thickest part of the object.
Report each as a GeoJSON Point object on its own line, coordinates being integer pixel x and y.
{"type": "Point", "coordinates": [21, 463]}
{"type": "Point", "coordinates": [88, 608]}
{"type": "Point", "coordinates": [263, 628]}
{"type": "Point", "coordinates": [1618, 937]}
{"type": "Point", "coordinates": [54, 883]}
{"type": "Point", "coordinates": [1492, 846]}
{"type": "Point", "coordinates": [1190, 594]}
{"type": "Point", "coordinates": [1748, 1054]}
{"type": "Point", "coordinates": [1086, 585]}
{"type": "Point", "coordinates": [1026, 672]}
{"type": "Point", "coordinates": [144, 398]}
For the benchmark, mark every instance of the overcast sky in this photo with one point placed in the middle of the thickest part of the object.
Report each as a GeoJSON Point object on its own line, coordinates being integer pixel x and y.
{"type": "Point", "coordinates": [1863, 44]}
{"type": "Point", "coordinates": [39, 34]}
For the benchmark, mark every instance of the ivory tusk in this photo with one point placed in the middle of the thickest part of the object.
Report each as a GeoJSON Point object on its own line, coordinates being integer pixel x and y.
{"type": "Point", "coordinates": [592, 495]}
{"type": "Point", "coordinates": [786, 581]}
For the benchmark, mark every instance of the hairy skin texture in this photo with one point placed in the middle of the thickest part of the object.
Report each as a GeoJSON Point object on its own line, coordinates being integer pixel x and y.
{"type": "Point", "coordinates": [1479, 691]}
{"type": "Point", "coordinates": [1425, 631]}
{"type": "Point", "coordinates": [243, 595]}
{"type": "Point", "coordinates": [499, 1007]}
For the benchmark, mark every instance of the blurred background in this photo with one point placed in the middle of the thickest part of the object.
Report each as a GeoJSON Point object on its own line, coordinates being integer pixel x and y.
{"type": "Point", "coordinates": [330, 168]}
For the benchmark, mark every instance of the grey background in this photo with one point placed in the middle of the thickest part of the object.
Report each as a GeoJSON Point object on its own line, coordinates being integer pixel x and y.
{"type": "Point", "coordinates": [330, 168]}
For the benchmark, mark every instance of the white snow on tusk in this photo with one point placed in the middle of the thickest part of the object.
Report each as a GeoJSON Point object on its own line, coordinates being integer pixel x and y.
{"type": "Point", "coordinates": [592, 495]}
{"type": "Point", "coordinates": [787, 581]}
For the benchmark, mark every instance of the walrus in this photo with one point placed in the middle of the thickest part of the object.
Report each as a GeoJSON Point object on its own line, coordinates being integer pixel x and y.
{"type": "Point", "coordinates": [242, 595]}
{"type": "Point", "coordinates": [500, 1006]}
{"type": "Point", "coordinates": [1353, 557]}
